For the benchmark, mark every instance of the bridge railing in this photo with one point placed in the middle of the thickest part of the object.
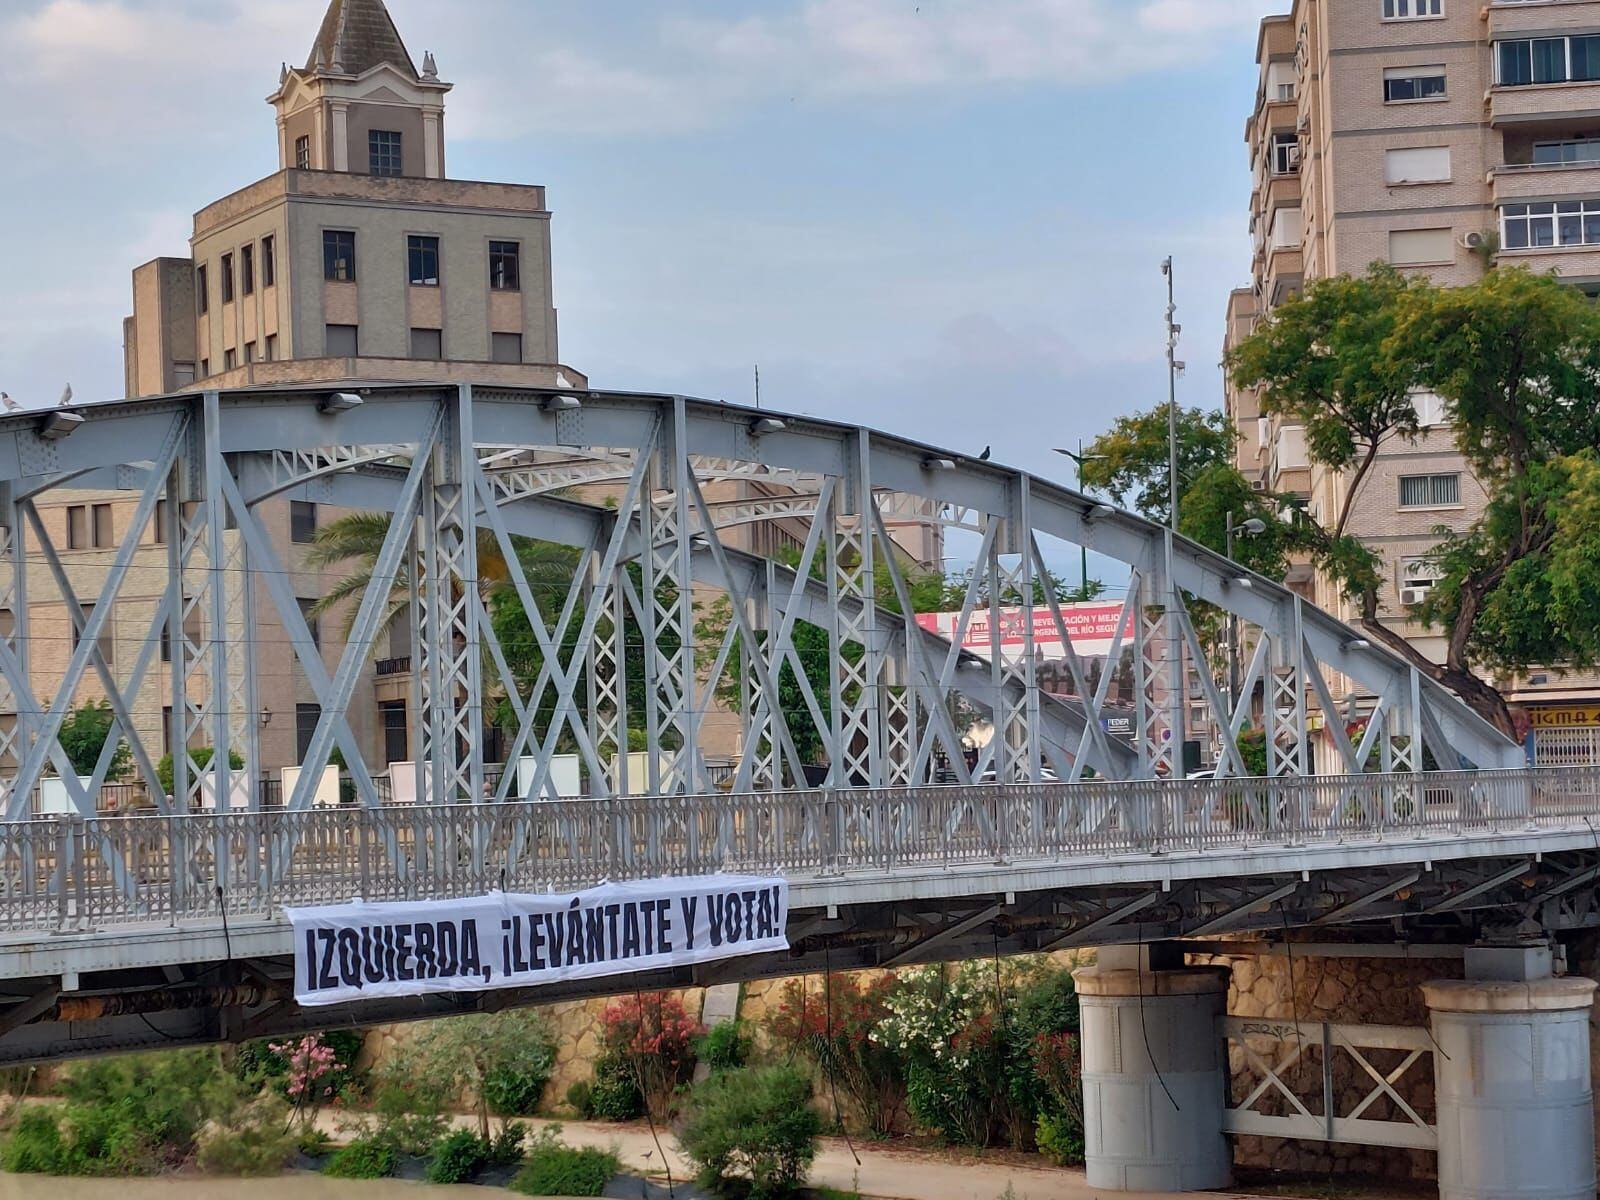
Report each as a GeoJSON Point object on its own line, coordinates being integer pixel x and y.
{"type": "Point", "coordinates": [71, 873]}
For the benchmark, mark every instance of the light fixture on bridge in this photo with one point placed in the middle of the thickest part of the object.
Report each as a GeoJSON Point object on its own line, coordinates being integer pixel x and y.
{"type": "Point", "coordinates": [1357, 643]}
{"type": "Point", "coordinates": [699, 541]}
{"type": "Point", "coordinates": [562, 402]}
{"type": "Point", "coordinates": [57, 425]}
{"type": "Point", "coordinates": [1099, 512]}
{"type": "Point", "coordinates": [934, 463]}
{"type": "Point", "coordinates": [765, 425]}
{"type": "Point", "coordinates": [1243, 581]}
{"type": "Point", "coordinates": [339, 402]}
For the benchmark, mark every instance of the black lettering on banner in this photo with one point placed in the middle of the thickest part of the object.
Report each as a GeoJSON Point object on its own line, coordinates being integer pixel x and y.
{"type": "Point", "coordinates": [555, 931]}
{"type": "Point", "coordinates": [536, 944]}
{"type": "Point", "coordinates": [350, 958]}
{"type": "Point", "coordinates": [630, 929]}
{"type": "Point", "coordinates": [519, 961]}
{"type": "Point", "coordinates": [647, 919]}
{"type": "Point", "coordinates": [402, 953]}
{"type": "Point", "coordinates": [777, 911]}
{"type": "Point", "coordinates": [732, 921]}
{"type": "Point", "coordinates": [470, 964]}
{"type": "Point", "coordinates": [311, 960]}
{"type": "Point", "coordinates": [574, 934]}
{"type": "Point", "coordinates": [388, 952]}
{"type": "Point", "coordinates": [764, 914]}
{"type": "Point", "coordinates": [614, 938]}
{"type": "Point", "coordinates": [505, 945]}
{"type": "Point", "coordinates": [371, 954]}
{"type": "Point", "coordinates": [594, 932]}
{"type": "Point", "coordinates": [688, 904]}
{"type": "Point", "coordinates": [750, 915]}
{"type": "Point", "coordinates": [449, 943]}
{"type": "Point", "coordinates": [325, 976]}
{"type": "Point", "coordinates": [663, 923]}
{"type": "Point", "coordinates": [715, 906]}
{"type": "Point", "coordinates": [425, 943]}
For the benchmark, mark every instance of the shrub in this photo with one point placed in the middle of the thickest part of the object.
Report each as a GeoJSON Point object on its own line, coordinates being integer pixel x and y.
{"type": "Point", "coordinates": [501, 1060]}
{"type": "Point", "coordinates": [580, 1098]}
{"type": "Point", "coordinates": [313, 1143]}
{"type": "Point", "coordinates": [505, 1148]}
{"type": "Point", "coordinates": [256, 1142]}
{"type": "Point", "coordinates": [836, 1032]}
{"type": "Point", "coordinates": [554, 1169]}
{"type": "Point", "coordinates": [724, 1047]}
{"type": "Point", "coordinates": [200, 758]}
{"type": "Point", "coordinates": [410, 1103]}
{"type": "Point", "coordinates": [1060, 1139]}
{"type": "Point", "coordinates": [35, 1146]}
{"type": "Point", "coordinates": [457, 1157]}
{"type": "Point", "coordinates": [756, 1123]}
{"type": "Point", "coordinates": [656, 1038]}
{"type": "Point", "coordinates": [614, 1095]}
{"type": "Point", "coordinates": [365, 1158]}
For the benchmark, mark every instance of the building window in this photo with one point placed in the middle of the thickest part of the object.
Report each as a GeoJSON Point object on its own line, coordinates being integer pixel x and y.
{"type": "Point", "coordinates": [272, 347]}
{"type": "Point", "coordinates": [313, 624]}
{"type": "Point", "coordinates": [505, 347]}
{"type": "Point", "coordinates": [423, 253]}
{"type": "Point", "coordinates": [158, 524]}
{"type": "Point", "coordinates": [1417, 577]}
{"type": "Point", "coordinates": [229, 360]}
{"type": "Point", "coordinates": [166, 727]}
{"type": "Point", "coordinates": [1417, 164]}
{"type": "Point", "coordinates": [247, 270]}
{"type": "Point", "coordinates": [1285, 153]}
{"type": "Point", "coordinates": [342, 341]}
{"type": "Point", "coordinates": [338, 254]}
{"type": "Point", "coordinates": [1430, 491]}
{"type": "Point", "coordinates": [249, 353]}
{"type": "Point", "coordinates": [269, 261]}
{"type": "Point", "coordinates": [1551, 223]}
{"type": "Point", "coordinates": [202, 293]}
{"type": "Point", "coordinates": [396, 743]}
{"type": "Point", "coordinates": [427, 344]}
{"type": "Point", "coordinates": [505, 266]}
{"type": "Point", "coordinates": [1525, 61]}
{"type": "Point", "coordinates": [1285, 93]}
{"type": "Point", "coordinates": [1580, 150]}
{"type": "Point", "coordinates": [1413, 83]}
{"type": "Point", "coordinates": [1430, 409]}
{"type": "Point", "coordinates": [302, 521]}
{"type": "Point", "coordinates": [383, 151]}
{"type": "Point", "coordinates": [1415, 247]}
{"type": "Point", "coordinates": [77, 527]}
{"type": "Point", "coordinates": [100, 526]}
{"type": "Point", "coordinates": [108, 639]}
{"type": "Point", "coordinates": [1411, 10]}
{"type": "Point", "coordinates": [227, 279]}
{"type": "Point", "coordinates": [306, 717]}
{"type": "Point", "coordinates": [205, 368]}
{"type": "Point", "coordinates": [302, 152]}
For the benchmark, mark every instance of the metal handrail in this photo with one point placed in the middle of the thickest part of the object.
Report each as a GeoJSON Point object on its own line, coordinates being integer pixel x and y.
{"type": "Point", "coordinates": [74, 872]}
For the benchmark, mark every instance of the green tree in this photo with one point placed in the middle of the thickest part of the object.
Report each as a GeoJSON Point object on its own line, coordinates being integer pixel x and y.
{"type": "Point", "coordinates": [83, 736]}
{"type": "Point", "coordinates": [1130, 459]}
{"type": "Point", "coordinates": [493, 1059]}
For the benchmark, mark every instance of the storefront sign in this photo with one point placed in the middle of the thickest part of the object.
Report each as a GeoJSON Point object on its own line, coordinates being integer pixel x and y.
{"type": "Point", "coordinates": [347, 952]}
{"type": "Point", "coordinates": [1569, 716]}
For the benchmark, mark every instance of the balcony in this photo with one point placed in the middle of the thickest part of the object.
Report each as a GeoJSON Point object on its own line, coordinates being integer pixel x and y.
{"type": "Point", "coordinates": [1510, 18]}
{"type": "Point", "coordinates": [1517, 182]}
{"type": "Point", "coordinates": [1283, 191]}
{"type": "Point", "coordinates": [1544, 102]}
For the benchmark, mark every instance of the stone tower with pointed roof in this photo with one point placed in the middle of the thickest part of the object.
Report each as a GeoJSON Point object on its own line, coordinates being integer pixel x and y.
{"type": "Point", "coordinates": [360, 78]}
{"type": "Point", "coordinates": [359, 258]}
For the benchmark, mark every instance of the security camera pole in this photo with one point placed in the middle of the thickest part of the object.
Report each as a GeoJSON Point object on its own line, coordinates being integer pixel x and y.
{"type": "Point", "coordinates": [1253, 526]}
{"type": "Point", "coordinates": [1173, 330]}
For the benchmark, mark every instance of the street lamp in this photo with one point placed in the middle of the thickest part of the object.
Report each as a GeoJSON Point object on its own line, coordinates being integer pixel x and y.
{"type": "Point", "coordinates": [1174, 367]}
{"type": "Point", "coordinates": [1083, 551]}
{"type": "Point", "coordinates": [1254, 526]}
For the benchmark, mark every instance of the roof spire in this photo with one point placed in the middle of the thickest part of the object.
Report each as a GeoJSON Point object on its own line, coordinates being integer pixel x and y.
{"type": "Point", "coordinates": [357, 35]}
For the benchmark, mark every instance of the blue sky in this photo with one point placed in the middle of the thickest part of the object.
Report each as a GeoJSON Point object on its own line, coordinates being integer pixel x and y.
{"type": "Point", "coordinates": [942, 218]}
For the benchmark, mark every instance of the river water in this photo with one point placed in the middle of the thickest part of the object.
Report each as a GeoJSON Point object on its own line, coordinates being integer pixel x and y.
{"type": "Point", "coordinates": [302, 1186]}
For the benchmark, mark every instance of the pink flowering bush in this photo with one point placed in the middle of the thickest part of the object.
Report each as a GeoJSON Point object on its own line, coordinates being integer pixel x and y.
{"type": "Point", "coordinates": [655, 1038]}
{"type": "Point", "coordinates": [315, 1075]}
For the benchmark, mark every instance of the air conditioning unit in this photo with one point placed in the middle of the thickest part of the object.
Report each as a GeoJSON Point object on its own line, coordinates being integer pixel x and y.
{"type": "Point", "coordinates": [1471, 240]}
{"type": "Point", "coordinates": [1258, 485]}
{"type": "Point", "coordinates": [1413, 595]}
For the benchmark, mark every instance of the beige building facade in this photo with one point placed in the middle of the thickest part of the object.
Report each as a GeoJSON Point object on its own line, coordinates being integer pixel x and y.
{"type": "Point", "coordinates": [1438, 136]}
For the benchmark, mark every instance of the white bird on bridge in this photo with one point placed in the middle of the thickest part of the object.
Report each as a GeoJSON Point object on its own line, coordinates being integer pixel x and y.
{"type": "Point", "coordinates": [66, 396]}
{"type": "Point", "coordinates": [11, 405]}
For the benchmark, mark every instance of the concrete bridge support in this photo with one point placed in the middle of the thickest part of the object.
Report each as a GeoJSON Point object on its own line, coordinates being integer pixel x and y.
{"type": "Point", "coordinates": [1514, 1093]}
{"type": "Point", "coordinates": [1154, 1073]}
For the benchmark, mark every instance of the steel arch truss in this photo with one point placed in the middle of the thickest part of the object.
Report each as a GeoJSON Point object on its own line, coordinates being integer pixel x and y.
{"type": "Point", "coordinates": [667, 486]}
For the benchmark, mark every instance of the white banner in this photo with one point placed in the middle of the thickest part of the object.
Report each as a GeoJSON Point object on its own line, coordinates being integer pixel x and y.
{"type": "Point", "coordinates": [345, 952]}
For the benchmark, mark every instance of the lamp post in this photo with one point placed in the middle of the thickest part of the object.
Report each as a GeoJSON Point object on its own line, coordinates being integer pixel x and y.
{"type": "Point", "coordinates": [1252, 526]}
{"type": "Point", "coordinates": [1174, 369]}
{"type": "Point", "coordinates": [1083, 551]}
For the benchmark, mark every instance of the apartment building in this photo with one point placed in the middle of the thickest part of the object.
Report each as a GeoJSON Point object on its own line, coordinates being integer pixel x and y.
{"type": "Point", "coordinates": [1430, 134]}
